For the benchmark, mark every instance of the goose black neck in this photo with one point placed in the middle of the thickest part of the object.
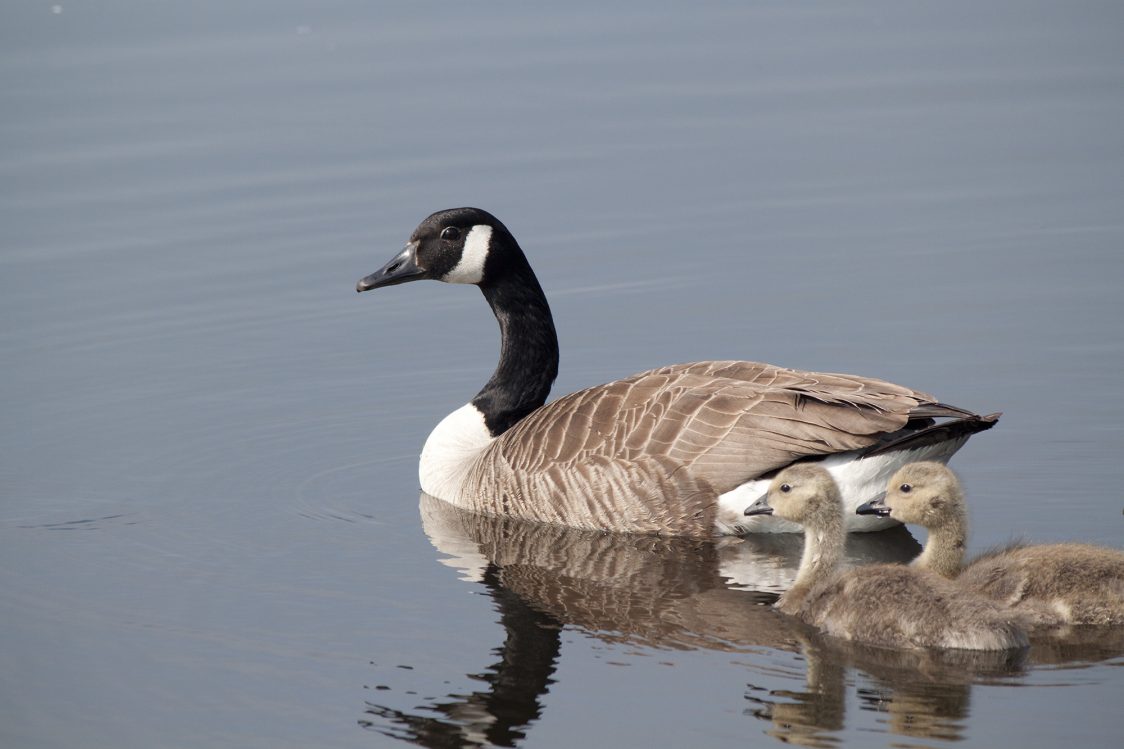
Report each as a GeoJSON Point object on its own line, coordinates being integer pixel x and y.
{"type": "Point", "coordinates": [528, 349]}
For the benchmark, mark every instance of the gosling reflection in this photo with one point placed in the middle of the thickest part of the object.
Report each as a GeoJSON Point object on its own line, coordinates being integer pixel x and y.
{"type": "Point", "coordinates": [917, 693]}
{"type": "Point", "coordinates": [922, 694]}
{"type": "Point", "coordinates": [927, 694]}
{"type": "Point", "coordinates": [809, 716]}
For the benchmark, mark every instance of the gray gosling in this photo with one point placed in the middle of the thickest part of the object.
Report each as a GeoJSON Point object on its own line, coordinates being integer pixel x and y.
{"type": "Point", "coordinates": [1051, 585]}
{"type": "Point", "coordinates": [880, 604]}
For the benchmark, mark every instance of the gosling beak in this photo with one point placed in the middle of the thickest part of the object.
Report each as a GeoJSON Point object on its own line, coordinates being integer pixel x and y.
{"type": "Point", "coordinates": [402, 267]}
{"type": "Point", "coordinates": [876, 506]}
{"type": "Point", "coordinates": [760, 507]}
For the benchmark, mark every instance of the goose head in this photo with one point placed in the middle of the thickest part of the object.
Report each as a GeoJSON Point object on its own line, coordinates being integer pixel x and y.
{"type": "Point", "coordinates": [458, 245]}
{"type": "Point", "coordinates": [925, 493]}
{"type": "Point", "coordinates": [803, 493]}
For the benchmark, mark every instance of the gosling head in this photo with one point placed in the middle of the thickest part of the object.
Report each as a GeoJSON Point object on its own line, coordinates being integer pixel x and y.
{"type": "Point", "coordinates": [926, 494]}
{"type": "Point", "coordinates": [802, 493]}
{"type": "Point", "coordinates": [458, 245]}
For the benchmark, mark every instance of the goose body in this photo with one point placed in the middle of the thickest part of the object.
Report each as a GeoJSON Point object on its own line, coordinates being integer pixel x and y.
{"type": "Point", "coordinates": [880, 604]}
{"type": "Point", "coordinates": [679, 450]}
{"type": "Point", "coordinates": [1051, 585]}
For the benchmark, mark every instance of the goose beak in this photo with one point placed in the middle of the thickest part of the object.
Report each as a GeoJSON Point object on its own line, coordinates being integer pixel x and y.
{"type": "Point", "coordinates": [760, 507]}
{"type": "Point", "coordinates": [402, 267]}
{"type": "Point", "coordinates": [876, 506]}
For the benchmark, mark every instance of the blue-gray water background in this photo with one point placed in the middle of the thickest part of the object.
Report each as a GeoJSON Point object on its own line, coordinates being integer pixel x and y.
{"type": "Point", "coordinates": [209, 519]}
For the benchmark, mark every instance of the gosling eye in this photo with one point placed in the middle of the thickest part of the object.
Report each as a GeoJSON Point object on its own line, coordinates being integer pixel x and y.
{"type": "Point", "coordinates": [451, 233]}
{"type": "Point", "coordinates": [786, 488]}
{"type": "Point", "coordinates": [905, 488]}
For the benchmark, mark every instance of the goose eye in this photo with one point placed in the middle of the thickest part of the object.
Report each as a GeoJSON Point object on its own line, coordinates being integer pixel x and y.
{"type": "Point", "coordinates": [786, 488]}
{"type": "Point", "coordinates": [905, 488]}
{"type": "Point", "coordinates": [451, 233]}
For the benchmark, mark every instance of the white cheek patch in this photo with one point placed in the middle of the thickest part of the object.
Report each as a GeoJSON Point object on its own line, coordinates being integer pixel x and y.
{"type": "Point", "coordinates": [470, 269]}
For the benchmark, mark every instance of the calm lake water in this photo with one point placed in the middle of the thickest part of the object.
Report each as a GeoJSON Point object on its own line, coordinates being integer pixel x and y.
{"type": "Point", "coordinates": [210, 525]}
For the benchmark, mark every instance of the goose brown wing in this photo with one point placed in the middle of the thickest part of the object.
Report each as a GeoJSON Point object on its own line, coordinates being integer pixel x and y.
{"type": "Point", "coordinates": [722, 422]}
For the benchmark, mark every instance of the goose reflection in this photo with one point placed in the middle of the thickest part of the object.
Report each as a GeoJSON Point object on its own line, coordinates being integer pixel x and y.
{"type": "Point", "coordinates": [675, 594]}
{"type": "Point", "coordinates": [663, 593]}
{"type": "Point", "coordinates": [494, 716]}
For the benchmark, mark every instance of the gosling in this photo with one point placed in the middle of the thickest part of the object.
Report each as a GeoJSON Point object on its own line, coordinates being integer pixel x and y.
{"type": "Point", "coordinates": [882, 604]}
{"type": "Point", "coordinates": [1051, 585]}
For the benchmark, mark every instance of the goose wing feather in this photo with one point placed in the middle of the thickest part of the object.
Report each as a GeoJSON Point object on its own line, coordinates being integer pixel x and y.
{"type": "Point", "coordinates": [723, 423]}
{"type": "Point", "coordinates": [652, 452]}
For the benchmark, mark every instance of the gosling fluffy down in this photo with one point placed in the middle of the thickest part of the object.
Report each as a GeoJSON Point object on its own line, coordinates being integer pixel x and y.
{"type": "Point", "coordinates": [886, 605]}
{"type": "Point", "coordinates": [1049, 584]}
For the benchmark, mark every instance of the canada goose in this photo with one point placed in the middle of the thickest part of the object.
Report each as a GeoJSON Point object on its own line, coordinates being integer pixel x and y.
{"type": "Point", "coordinates": [879, 604]}
{"type": "Point", "coordinates": [1051, 584]}
{"type": "Point", "coordinates": [679, 450]}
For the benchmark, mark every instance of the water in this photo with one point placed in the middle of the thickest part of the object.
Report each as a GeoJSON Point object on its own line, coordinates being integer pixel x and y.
{"type": "Point", "coordinates": [210, 530]}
